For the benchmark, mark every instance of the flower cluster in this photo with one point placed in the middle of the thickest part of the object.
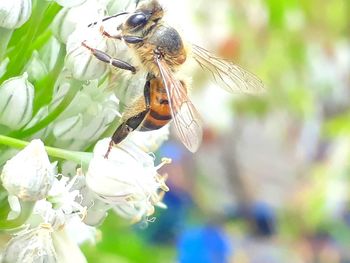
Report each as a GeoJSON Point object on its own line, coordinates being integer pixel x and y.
{"type": "Point", "coordinates": [30, 180]}
{"type": "Point", "coordinates": [53, 88]}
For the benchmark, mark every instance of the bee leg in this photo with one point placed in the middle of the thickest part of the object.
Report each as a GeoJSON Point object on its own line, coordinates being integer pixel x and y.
{"type": "Point", "coordinates": [132, 39]}
{"type": "Point", "coordinates": [125, 128]}
{"type": "Point", "coordinates": [127, 39]}
{"type": "Point", "coordinates": [132, 123]}
{"type": "Point", "coordinates": [106, 34]}
{"type": "Point", "coordinates": [103, 56]}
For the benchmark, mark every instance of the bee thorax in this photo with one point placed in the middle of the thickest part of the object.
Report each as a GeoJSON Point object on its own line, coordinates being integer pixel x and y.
{"type": "Point", "coordinates": [167, 39]}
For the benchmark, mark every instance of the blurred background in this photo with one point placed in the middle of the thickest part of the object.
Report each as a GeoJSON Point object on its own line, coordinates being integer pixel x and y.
{"type": "Point", "coordinates": [271, 180]}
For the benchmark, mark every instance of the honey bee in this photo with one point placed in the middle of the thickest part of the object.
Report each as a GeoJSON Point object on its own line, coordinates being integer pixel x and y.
{"type": "Point", "coordinates": [161, 52]}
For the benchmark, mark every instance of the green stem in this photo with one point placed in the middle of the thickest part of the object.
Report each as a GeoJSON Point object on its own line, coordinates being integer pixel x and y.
{"type": "Point", "coordinates": [21, 43]}
{"type": "Point", "coordinates": [5, 36]}
{"type": "Point", "coordinates": [75, 156]}
{"type": "Point", "coordinates": [26, 211]}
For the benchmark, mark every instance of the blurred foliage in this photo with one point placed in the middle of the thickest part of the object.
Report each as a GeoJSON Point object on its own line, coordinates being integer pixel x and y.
{"type": "Point", "coordinates": [121, 243]}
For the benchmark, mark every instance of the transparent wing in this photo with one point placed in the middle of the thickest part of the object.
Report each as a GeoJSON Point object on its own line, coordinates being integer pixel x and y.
{"type": "Point", "coordinates": [229, 76]}
{"type": "Point", "coordinates": [186, 118]}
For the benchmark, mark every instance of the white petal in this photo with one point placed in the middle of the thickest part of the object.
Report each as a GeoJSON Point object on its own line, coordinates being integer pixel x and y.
{"type": "Point", "coordinates": [68, 19]}
{"type": "Point", "coordinates": [67, 251]}
{"type": "Point", "coordinates": [69, 128]}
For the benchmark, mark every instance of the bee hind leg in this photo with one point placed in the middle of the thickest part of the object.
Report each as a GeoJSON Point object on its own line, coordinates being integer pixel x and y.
{"type": "Point", "coordinates": [125, 128]}
{"type": "Point", "coordinates": [133, 122]}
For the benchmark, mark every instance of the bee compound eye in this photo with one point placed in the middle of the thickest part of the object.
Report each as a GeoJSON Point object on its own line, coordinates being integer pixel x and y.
{"type": "Point", "coordinates": [137, 20]}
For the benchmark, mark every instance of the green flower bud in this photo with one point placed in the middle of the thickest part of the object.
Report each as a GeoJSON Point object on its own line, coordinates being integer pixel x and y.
{"type": "Point", "coordinates": [14, 13]}
{"type": "Point", "coordinates": [69, 3]}
{"type": "Point", "coordinates": [16, 102]}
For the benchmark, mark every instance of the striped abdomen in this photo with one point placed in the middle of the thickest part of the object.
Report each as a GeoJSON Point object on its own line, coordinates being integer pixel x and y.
{"type": "Point", "coordinates": [159, 113]}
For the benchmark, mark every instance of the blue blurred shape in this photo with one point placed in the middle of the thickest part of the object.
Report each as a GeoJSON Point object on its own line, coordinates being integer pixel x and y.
{"type": "Point", "coordinates": [264, 217]}
{"type": "Point", "coordinates": [206, 244]}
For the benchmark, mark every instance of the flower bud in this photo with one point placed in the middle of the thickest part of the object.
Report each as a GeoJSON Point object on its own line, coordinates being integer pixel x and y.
{"type": "Point", "coordinates": [14, 13]}
{"type": "Point", "coordinates": [152, 140]}
{"type": "Point", "coordinates": [36, 67]}
{"type": "Point", "coordinates": [69, 3]}
{"type": "Point", "coordinates": [16, 102]}
{"type": "Point", "coordinates": [29, 174]}
{"type": "Point", "coordinates": [69, 128]}
{"type": "Point", "coordinates": [34, 245]}
{"type": "Point", "coordinates": [128, 178]}
{"type": "Point", "coordinates": [68, 19]}
{"type": "Point", "coordinates": [115, 7]}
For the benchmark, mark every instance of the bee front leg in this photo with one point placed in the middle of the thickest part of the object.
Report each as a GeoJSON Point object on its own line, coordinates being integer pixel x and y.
{"type": "Point", "coordinates": [103, 56]}
{"type": "Point", "coordinates": [132, 39]}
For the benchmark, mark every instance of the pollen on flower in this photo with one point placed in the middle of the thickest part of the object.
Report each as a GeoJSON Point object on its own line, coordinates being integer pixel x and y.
{"type": "Point", "coordinates": [46, 226]}
{"type": "Point", "coordinates": [161, 181]}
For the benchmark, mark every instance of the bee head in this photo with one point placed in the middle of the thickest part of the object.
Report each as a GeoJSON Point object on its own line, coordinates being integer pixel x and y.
{"type": "Point", "coordinates": [145, 16]}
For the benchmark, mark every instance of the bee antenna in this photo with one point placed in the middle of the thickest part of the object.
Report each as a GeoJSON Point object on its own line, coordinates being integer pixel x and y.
{"type": "Point", "coordinates": [108, 17]}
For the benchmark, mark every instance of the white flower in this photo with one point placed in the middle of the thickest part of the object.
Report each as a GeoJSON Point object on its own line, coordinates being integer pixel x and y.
{"type": "Point", "coordinates": [68, 19]}
{"type": "Point", "coordinates": [62, 209]}
{"type": "Point", "coordinates": [127, 179]}
{"type": "Point", "coordinates": [34, 245]}
{"type": "Point", "coordinates": [29, 174]}
{"type": "Point", "coordinates": [16, 102]}
{"type": "Point", "coordinates": [42, 244]}
{"type": "Point", "coordinates": [63, 196]}
{"type": "Point", "coordinates": [14, 13]}
{"type": "Point", "coordinates": [62, 203]}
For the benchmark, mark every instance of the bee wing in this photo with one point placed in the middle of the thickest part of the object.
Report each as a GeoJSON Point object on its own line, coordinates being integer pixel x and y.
{"type": "Point", "coordinates": [186, 118]}
{"type": "Point", "coordinates": [230, 76]}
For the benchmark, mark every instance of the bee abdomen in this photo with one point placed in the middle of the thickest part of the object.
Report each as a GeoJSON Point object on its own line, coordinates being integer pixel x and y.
{"type": "Point", "coordinates": [159, 114]}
